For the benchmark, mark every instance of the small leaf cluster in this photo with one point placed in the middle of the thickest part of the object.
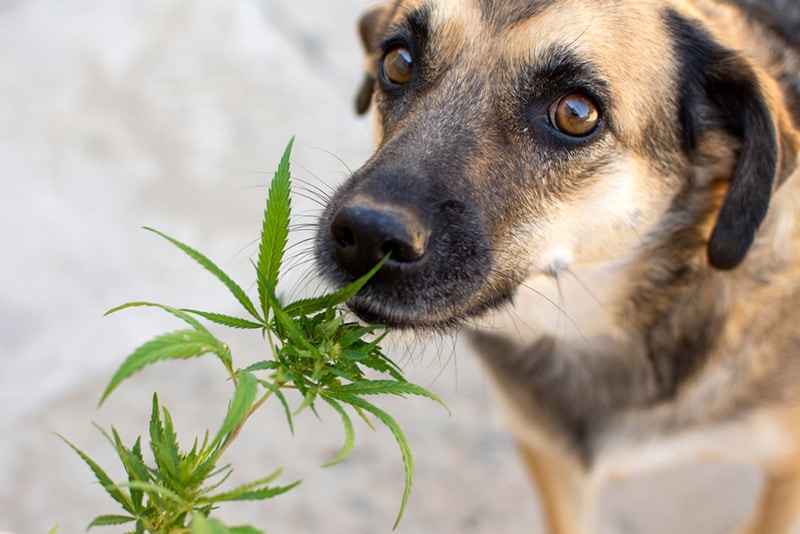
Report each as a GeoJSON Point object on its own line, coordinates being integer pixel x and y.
{"type": "Point", "coordinates": [176, 490]}
{"type": "Point", "coordinates": [315, 351]}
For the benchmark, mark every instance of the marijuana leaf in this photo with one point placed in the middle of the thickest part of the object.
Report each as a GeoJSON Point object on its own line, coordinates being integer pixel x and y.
{"type": "Point", "coordinates": [274, 229]}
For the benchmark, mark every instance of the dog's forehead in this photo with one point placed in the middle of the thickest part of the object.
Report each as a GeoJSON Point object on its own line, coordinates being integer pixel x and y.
{"type": "Point", "coordinates": [598, 28]}
{"type": "Point", "coordinates": [626, 42]}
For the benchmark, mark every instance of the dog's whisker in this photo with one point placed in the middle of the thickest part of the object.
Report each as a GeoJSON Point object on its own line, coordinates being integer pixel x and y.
{"type": "Point", "coordinates": [292, 263]}
{"type": "Point", "coordinates": [322, 202]}
{"type": "Point", "coordinates": [451, 358]}
{"type": "Point", "coordinates": [558, 307]}
{"type": "Point", "coordinates": [587, 289]}
{"type": "Point", "coordinates": [255, 186]}
{"type": "Point", "coordinates": [304, 229]}
{"type": "Point", "coordinates": [315, 187]}
{"type": "Point", "coordinates": [298, 263]}
{"type": "Point", "coordinates": [329, 188]}
{"type": "Point", "coordinates": [312, 214]}
{"type": "Point", "coordinates": [337, 158]}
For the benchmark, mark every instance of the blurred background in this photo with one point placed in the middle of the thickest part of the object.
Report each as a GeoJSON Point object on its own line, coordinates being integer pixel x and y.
{"type": "Point", "coordinates": [173, 114]}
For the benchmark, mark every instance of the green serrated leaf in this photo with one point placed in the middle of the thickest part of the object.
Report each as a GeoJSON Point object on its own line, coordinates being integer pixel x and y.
{"type": "Point", "coordinates": [274, 229]}
{"type": "Point", "coordinates": [111, 488]}
{"type": "Point", "coordinates": [211, 267]}
{"type": "Point", "coordinates": [132, 462]}
{"type": "Point", "coordinates": [226, 320]}
{"type": "Point", "coordinates": [313, 305]}
{"type": "Point", "coordinates": [391, 387]}
{"type": "Point", "coordinates": [263, 365]}
{"type": "Point", "coordinates": [400, 437]}
{"type": "Point", "coordinates": [256, 490]}
{"type": "Point", "coordinates": [178, 345]}
{"type": "Point", "coordinates": [381, 363]}
{"type": "Point", "coordinates": [308, 402]}
{"type": "Point", "coordinates": [208, 489]}
{"type": "Point", "coordinates": [349, 432]}
{"type": "Point", "coordinates": [137, 470]}
{"type": "Point", "coordinates": [110, 520]}
{"type": "Point", "coordinates": [265, 493]}
{"type": "Point", "coordinates": [243, 397]}
{"type": "Point", "coordinates": [194, 323]}
{"type": "Point", "coordinates": [259, 494]}
{"type": "Point", "coordinates": [164, 443]}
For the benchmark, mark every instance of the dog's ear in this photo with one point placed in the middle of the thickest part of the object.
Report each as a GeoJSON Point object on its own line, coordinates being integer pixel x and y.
{"type": "Point", "coordinates": [740, 108]}
{"type": "Point", "coordinates": [719, 90]}
{"type": "Point", "coordinates": [369, 28]}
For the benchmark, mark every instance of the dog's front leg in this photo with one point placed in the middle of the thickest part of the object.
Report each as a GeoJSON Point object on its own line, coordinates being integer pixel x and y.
{"type": "Point", "coordinates": [564, 490]}
{"type": "Point", "coordinates": [778, 510]}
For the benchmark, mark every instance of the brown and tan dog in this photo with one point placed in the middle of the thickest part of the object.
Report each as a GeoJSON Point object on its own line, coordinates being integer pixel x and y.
{"type": "Point", "coordinates": [606, 194]}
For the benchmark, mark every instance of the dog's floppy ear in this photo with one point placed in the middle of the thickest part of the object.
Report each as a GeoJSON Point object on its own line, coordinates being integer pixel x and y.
{"type": "Point", "coordinates": [720, 90]}
{"type": "Point", "coordinates": [372, 22]}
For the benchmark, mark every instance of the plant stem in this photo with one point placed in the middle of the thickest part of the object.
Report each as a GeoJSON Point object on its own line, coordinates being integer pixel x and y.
{"type": "Point", "coordinates": [238, 429]}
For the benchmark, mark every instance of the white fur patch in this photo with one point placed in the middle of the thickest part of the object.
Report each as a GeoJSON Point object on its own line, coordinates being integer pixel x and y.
{"type": "Point", "coordinates": [580, 257]}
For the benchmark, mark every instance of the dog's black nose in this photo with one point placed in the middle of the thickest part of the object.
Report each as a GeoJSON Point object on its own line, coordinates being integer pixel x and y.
{"type": "Point", "coordinates": [364, 232]}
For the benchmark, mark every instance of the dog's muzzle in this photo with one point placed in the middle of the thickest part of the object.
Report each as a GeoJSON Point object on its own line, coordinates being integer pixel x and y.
{"type": "Point", "coordinates": [439, 258]}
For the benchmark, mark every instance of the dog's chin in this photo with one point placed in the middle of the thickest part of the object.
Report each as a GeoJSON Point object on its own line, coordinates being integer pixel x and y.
{"type": "Point", "coordinates": [427, 322]}
{"type": "Point", "coordinates": [407, 322]}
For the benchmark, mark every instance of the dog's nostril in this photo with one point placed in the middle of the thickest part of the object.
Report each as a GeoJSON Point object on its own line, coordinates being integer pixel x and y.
{"type": "Point", "coordinates": [364, 233]}
{"type": "Point", "coordinates": [343, 236]}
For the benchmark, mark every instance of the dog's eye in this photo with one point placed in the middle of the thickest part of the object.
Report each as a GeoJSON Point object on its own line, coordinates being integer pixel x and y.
{"type": "Point", "coordinates": [398, 66]}
{"type": "Point", "coordinates": [575, 115]}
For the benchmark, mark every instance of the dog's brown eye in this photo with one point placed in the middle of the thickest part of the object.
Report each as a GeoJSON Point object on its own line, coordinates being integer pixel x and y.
{"type": "Point", "coordinates": [398, 66]}
{"type": "Point", "coordinates": [575, 115]}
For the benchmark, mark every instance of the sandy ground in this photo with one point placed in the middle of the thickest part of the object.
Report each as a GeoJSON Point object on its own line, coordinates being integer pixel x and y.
{"type": "Point", "coordinates": [173, 114]}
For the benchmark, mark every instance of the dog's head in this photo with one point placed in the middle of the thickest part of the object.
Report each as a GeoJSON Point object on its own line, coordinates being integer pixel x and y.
{"type": "Point", "coordinates": [529, 137]}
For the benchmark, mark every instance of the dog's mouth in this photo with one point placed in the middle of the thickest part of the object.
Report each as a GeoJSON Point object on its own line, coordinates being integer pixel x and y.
{"type": "Point", "coordinates": [438, 308]}
{"type": "Point", "coordinates": [431, 320]}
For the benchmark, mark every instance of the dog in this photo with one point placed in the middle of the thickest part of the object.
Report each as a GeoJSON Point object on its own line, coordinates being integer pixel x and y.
{"type": "Point", "coordinates": [604, 196]}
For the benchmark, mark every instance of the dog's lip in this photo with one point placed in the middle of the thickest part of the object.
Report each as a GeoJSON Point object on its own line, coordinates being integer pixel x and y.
{"type": "Point", "coordinates": [443, 321]}
{"type": "Point", "coordinates": [372, 314]}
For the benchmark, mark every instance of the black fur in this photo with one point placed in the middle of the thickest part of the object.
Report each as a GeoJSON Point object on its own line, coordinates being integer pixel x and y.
{"type": "Point", "coordinates": [719, 90]}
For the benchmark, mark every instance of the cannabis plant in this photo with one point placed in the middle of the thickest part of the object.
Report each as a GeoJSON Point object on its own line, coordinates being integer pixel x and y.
{"type": "Point", "coordinates": [315, 351]}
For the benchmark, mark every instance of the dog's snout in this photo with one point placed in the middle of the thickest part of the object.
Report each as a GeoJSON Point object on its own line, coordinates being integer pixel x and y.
{"type": "Point", "coordinates": [364, 232]}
